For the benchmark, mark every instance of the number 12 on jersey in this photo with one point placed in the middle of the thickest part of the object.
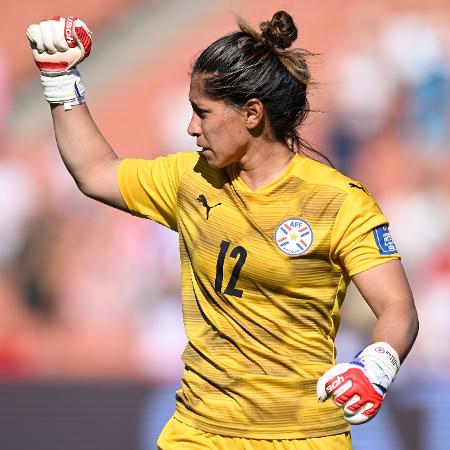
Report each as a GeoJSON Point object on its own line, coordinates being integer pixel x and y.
{"type": "Point", "coordinates": [240, 254]}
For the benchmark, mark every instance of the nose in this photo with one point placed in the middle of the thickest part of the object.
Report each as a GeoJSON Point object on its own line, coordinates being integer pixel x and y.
{"type": "Point", "coordinates": [194, 129]}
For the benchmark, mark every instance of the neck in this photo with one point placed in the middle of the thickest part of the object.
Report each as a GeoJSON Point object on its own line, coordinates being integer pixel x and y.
{"type": "Point", "coordinates": [263, 163]}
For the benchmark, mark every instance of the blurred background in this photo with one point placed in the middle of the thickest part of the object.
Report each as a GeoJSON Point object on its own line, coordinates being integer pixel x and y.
{"type": "Point", "coordinates": [90, 325]}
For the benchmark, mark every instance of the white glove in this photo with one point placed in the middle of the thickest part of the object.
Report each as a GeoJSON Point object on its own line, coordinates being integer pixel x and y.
{"type": "Point", "coordinates": [359, 387]}
{"type": "Point", "coordinates": [58, 45]}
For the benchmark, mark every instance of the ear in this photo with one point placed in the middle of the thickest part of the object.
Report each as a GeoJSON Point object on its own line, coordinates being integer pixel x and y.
{"type": "Point", "coordinates": [254, 113]}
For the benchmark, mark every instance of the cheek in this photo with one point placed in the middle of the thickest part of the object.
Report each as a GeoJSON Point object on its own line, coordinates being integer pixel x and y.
{"type": "Point", "coordinates": [235, 134]}
{"type": "Point", "coordinates": [226, 129]}
{"type": "Point", "coordinates": [233, 128]}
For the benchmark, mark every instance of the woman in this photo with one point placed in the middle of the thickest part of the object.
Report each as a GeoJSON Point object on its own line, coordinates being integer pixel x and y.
{"type": "Point", "coordinates": [269, 241]}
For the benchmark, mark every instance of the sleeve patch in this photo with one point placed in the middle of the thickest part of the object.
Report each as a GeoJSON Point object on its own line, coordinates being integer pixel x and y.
{"type": "Point", "coordinates": [384, 240]}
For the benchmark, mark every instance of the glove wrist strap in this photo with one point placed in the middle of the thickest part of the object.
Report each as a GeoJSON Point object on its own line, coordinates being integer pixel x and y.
{"type": "Point", "coordinates": [381, 361]}
{"type": "Point", "coordinates": [63, 88]}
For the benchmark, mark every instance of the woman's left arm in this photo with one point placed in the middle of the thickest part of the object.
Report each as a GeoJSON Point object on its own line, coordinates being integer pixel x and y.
{"type": "Point", "coordinates": [386, 290]}
{"type": "Point", "coordinates": [359, 387]}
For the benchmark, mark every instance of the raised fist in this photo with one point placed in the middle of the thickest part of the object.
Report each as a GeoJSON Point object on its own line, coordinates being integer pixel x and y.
{"type": "Point", "coordinates": [59, 44]}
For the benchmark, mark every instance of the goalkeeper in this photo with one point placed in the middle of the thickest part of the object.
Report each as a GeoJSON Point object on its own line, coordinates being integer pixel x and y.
{"type": "Point", "coordinates": [269, 241]}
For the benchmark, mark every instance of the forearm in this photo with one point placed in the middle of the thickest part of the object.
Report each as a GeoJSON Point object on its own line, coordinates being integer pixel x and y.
{"type": "Point", "coordinates": [397, 325]}
{"type": "Point", "coordinates": [83, 148]}
{"type": "Point", "coordinates": [386, 290]}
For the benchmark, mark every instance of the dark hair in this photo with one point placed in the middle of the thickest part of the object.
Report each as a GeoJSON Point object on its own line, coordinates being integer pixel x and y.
{"type": "Point", "coordinates": [246, 64]}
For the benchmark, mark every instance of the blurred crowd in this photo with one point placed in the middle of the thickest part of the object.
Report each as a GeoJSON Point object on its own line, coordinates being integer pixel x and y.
{"type": "Point", "coordinates": [89, 292]}
{"type": "Point", "coordinates": [391, 130]}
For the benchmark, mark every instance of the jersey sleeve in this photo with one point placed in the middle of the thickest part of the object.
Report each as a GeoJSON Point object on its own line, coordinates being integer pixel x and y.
{"type": "Point", "coordinates": [150, 187]}
{"type": "Point", "coordinates": [360, 238]}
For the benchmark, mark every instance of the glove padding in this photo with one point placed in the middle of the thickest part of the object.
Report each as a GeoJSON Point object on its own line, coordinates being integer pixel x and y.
{"type": "Point", "coordinates": [58, 45]}
{"type": "Point", "coordinates": [359, 387]}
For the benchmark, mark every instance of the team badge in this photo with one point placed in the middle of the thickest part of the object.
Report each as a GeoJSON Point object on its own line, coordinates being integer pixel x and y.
{"type": "Point", "coordinates": [294, 237]}
{"type": "Point", "coordinates": [384, 240]}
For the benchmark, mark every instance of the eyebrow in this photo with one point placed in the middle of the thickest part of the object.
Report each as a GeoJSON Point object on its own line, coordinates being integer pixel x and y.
{"type": "Point", "coordinates": [195, 106]}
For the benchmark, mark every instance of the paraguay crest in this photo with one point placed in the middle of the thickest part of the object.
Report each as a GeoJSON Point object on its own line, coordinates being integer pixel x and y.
{"type": "Point", "coordinates": [294, 237]}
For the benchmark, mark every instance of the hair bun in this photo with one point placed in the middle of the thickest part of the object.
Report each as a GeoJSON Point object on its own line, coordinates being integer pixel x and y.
{"type": "Point", "coordinates": [280, 31]}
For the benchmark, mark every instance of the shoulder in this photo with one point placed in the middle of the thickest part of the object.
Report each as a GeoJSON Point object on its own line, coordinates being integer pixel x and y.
{"type": "Point", "coordinates": [333, 186]}
{"type": "Point", "coordinates": [173, 164]}
{"type": "Point", "coordinates": [315, 172]}
{"type": "Point", "coordinates": [182, 159]}
{"type": "Point", "coordinates": [193, 163]}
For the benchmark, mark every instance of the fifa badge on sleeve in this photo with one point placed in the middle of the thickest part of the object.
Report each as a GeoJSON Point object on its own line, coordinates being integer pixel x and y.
{"type": "Point", "coordinates": [384, 240]}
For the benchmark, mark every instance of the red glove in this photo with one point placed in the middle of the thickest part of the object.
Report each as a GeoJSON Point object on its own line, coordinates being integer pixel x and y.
{"type": "Point", "coordinates": [359, 387]}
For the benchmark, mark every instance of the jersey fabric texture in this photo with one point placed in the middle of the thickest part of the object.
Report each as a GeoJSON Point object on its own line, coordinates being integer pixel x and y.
{"type": "Point", "coordinates": [179, 436]}
{"type": "Point", "coordinates": [260, 322]}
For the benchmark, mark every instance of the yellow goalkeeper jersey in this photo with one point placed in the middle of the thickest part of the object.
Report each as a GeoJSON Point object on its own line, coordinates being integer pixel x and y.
{"type": "Point", "coordinates": [264, 274]}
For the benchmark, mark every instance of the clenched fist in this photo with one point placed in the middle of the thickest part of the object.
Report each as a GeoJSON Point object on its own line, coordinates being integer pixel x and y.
{"type": "Point", "coordinates": [58, 45]}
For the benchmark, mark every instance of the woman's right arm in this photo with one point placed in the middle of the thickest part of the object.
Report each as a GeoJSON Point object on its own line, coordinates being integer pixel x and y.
{"type": "Point", "coordinates": [87, 155]}
{"type": "Point", "coordinates": [57, 46]}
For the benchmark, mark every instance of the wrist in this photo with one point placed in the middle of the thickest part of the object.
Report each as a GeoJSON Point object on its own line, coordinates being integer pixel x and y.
{"type": "Point", "coordinates": [381, 363]}
{"type": "Point", "coordinates": [63, 87]}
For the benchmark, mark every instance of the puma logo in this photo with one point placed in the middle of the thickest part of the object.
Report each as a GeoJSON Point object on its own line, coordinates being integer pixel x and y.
{"type": "Point", "coordinates": [202, 199]}
{"type": "Point", "coordinates": [357, 186]}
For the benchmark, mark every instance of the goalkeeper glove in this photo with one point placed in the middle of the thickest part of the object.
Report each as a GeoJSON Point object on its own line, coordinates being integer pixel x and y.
{"type": "Point", "coordinates": [359, 387]}
{"type": "Point", "coordinates": [58, 45]}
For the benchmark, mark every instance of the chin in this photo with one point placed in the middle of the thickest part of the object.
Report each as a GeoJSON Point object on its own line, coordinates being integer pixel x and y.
{"type": "Point", "coordinates": [213, 164]}
{"type": "Point", "coordinates": [211, 160]}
